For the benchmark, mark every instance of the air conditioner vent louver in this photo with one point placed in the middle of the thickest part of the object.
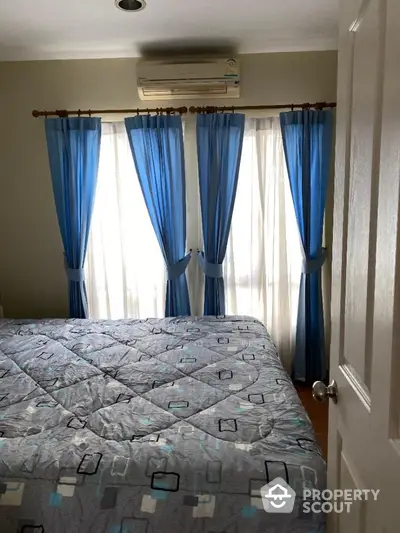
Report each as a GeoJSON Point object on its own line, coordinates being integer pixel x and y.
{"type": "Point", "coordinates": [207, 78]}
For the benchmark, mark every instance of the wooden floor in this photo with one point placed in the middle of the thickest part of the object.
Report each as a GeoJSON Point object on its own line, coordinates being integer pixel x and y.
{"type": "Point", "coordinates": [318, 413]}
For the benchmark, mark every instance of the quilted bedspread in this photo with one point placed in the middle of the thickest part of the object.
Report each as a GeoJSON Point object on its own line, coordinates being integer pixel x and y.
{"type": "Point", "coordinates": [149, 426]}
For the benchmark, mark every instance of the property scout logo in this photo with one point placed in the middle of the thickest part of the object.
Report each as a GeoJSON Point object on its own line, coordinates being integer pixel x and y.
{"type": "Point", "coordinates": [278, 497]}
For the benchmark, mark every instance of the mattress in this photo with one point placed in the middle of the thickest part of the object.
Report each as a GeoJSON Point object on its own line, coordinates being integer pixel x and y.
{"type": "Point", "coordinates": [149, 426]}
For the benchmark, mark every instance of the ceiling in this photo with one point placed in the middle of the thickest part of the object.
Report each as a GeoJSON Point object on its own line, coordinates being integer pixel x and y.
{"type": "Point", "coordinates": [67, 29]}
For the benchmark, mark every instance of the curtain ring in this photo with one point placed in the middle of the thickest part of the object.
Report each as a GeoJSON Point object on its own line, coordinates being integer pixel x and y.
{"type": "Point", "coordinates": [148, 112]}
{"type": "Point", "coordinates": [292, 108]}
{"type": "Point", "coordinates": [79, 112]}
{"type": "Point", "coordinates": [90, 113]}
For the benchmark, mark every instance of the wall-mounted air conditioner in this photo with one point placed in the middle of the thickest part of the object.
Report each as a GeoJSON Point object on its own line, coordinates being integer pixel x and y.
{"type": "Point", "coordinates": [188, 79]}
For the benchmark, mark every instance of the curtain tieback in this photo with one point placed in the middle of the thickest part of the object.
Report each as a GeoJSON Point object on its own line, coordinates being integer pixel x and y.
{"type": "Point", "coordinates": [177, 269]}
{"type": "Point", "coordinates": [211, 270]}
{"type": "Point", "coordinates": [315, 264]}
{"type": "Point", "coordinates": [74, 274]}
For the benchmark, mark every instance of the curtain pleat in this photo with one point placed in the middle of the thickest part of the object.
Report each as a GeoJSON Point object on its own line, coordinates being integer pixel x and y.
{"type": "Point", "coordinates": [73, 147]}
{"type": "Point", "coordinates": [157, 148]}
{"type": "Point", "coordinates": [307, 140]}
{"type": "Point", "coordinates": [219, 147]}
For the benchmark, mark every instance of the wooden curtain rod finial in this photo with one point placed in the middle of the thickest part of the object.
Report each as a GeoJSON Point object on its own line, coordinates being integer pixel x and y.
{"type": "Point", "coordinates": [35, 113]}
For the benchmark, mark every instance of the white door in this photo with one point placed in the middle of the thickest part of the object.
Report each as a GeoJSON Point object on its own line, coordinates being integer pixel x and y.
{"type": "Point", "coordinates": [364, 426]}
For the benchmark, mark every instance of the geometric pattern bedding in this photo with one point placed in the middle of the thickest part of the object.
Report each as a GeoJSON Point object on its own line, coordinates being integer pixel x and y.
{"type": "Point", "coordinates": [149, 426]}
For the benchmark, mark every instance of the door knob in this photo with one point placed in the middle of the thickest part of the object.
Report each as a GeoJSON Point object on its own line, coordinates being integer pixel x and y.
{"type": "Point", "coordinates": [321, 392]}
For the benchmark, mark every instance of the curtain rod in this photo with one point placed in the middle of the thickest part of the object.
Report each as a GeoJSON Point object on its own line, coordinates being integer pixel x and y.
{"type": "Point", "coordinates": [62, 113]}
{"type": "Point", "coordinates": [215, 109]}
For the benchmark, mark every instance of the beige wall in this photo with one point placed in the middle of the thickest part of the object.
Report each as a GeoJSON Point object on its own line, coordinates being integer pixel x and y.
{"type": "Point", "coordinates": [32, 279]}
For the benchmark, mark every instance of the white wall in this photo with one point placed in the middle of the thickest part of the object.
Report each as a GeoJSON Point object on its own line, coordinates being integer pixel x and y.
{"type": "Point", "coordinates": [32, 279]}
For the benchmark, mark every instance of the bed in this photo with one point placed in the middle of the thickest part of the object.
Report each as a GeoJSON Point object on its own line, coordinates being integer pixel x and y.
{"type": "Point", "coordinates": [149, 426]}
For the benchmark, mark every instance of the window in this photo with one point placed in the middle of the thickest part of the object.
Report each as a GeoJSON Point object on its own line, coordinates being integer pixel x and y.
{"type": "Point", "coordinates": [263, 262]}
{"type": "Point", "coordinates": [125, 269]}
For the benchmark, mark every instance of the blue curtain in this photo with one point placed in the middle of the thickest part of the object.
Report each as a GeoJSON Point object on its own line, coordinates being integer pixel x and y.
{"type": "Point", "coordinates": [157, 147]}
{"type": "Point", "coordinates": [219, 148]}
{"type": "Point", "coordinates": [74, 146]}
{"type": "Point", "coordinates": [307, 141]}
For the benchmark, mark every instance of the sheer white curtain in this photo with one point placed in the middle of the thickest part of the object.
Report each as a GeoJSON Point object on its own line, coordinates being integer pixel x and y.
{"type": "Point", "coordinates": [125, 270]}
{"type": "Point", "coordinates": [263, 261]}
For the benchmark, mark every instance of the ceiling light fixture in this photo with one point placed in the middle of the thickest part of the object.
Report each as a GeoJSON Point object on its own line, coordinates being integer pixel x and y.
{"type": "Point", "coordinates": [130, 6]}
